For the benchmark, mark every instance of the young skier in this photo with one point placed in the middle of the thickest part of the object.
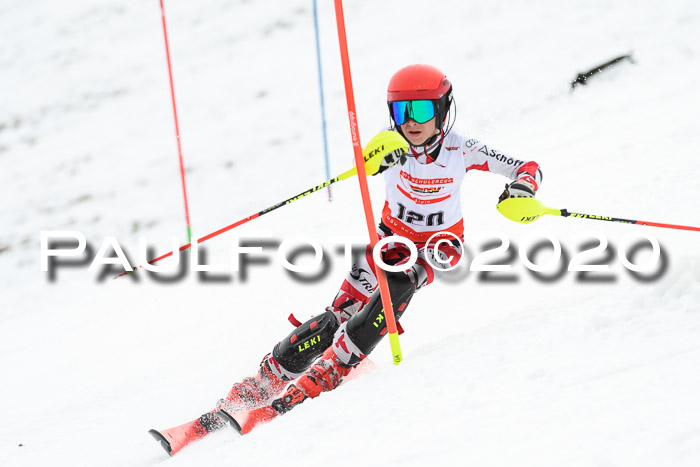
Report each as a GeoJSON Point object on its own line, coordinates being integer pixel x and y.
{"type": "Point", "coordinates": [423, 204]}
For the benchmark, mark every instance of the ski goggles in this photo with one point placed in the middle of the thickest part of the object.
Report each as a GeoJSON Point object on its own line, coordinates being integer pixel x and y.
{"type": "Point", "coordinates": [420, 111]}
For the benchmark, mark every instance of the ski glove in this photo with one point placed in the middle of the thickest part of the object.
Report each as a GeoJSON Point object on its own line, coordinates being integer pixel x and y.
{"type": "Point", "coordinates": [521, 188]}
{"type": "Point", "coordinates": [397, 156]}
{"type": "Point", "coordinates": [384, 150]}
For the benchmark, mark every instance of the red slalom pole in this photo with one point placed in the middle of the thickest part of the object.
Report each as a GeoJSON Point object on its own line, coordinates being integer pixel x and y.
{"type": "Point", "coordinates": [177, 125]}
{"type": "Point", "coordinates": [364, 190]}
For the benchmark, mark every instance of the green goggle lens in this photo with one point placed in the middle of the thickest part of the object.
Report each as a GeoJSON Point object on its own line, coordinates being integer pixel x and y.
{"type": "Point", "coordinates": [420, 111]}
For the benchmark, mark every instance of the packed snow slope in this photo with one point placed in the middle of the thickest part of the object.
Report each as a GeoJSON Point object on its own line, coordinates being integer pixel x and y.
{"type": "Point", "coordinates": [573, 371]}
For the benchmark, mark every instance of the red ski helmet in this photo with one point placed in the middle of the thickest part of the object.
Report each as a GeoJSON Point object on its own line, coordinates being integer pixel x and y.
{"type": "Point", "coordinates": [421, 82]}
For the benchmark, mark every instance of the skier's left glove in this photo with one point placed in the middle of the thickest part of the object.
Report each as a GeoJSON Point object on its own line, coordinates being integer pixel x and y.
{"type": "Point", "coordinates": [524, 187]}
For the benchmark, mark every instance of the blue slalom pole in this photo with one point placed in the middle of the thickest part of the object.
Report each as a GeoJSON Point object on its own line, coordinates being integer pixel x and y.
{"type": "Point", "coordinates": [323, 103]}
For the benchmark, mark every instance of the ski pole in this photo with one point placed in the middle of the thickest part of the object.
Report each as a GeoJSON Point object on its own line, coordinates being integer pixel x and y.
{"type": "Point", "coordinates": [383, 144]}
{"type": "Point", "coordinates": [526, 210]}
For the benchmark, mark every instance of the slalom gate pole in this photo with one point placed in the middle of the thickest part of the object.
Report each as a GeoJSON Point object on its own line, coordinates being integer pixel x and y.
{"type": "Point", "coordinates": [362, 177]}
{"type": "Point", "coordinates": [177, 125]}
{"type": "Point", "coordinates": [323, 103]}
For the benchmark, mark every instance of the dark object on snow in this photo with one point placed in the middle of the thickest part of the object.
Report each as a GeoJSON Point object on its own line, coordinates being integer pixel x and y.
{"type": "Point", "coordinates": [583, 77]}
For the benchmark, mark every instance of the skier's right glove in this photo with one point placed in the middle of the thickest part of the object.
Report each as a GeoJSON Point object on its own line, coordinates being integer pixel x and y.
{"type": "Point", "coordinates": [384, 150]}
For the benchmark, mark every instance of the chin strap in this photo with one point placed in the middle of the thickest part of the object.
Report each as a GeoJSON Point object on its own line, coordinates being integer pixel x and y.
{"type": "Point", "coordinates": [429, 150]}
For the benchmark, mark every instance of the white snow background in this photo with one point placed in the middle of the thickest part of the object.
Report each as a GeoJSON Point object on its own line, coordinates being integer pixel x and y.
{"type": "Point", "coordinates": [495, 374]}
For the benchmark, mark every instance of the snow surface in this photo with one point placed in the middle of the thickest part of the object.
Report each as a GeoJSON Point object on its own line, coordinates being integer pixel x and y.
{"type": "Point", "coordinates": [524, 373]}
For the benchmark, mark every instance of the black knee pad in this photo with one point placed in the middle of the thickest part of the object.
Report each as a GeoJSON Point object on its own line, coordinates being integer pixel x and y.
{"type": "Point", "coordinates": [302, 347]}
{"type": "Point", "coordinates": [367, 327]}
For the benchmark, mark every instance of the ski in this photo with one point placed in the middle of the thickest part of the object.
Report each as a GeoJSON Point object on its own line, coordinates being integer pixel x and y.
{"type": "Point", "coordinates": [164, 443]}
{"type": "Point", "coordinates": [172, 440]}
{"type": "Point", "coordinates": [229, 418]}
{"type": "Point", "coordinates": [245, 422]}
{"type": "Point", "coordinates": [246, 395]}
